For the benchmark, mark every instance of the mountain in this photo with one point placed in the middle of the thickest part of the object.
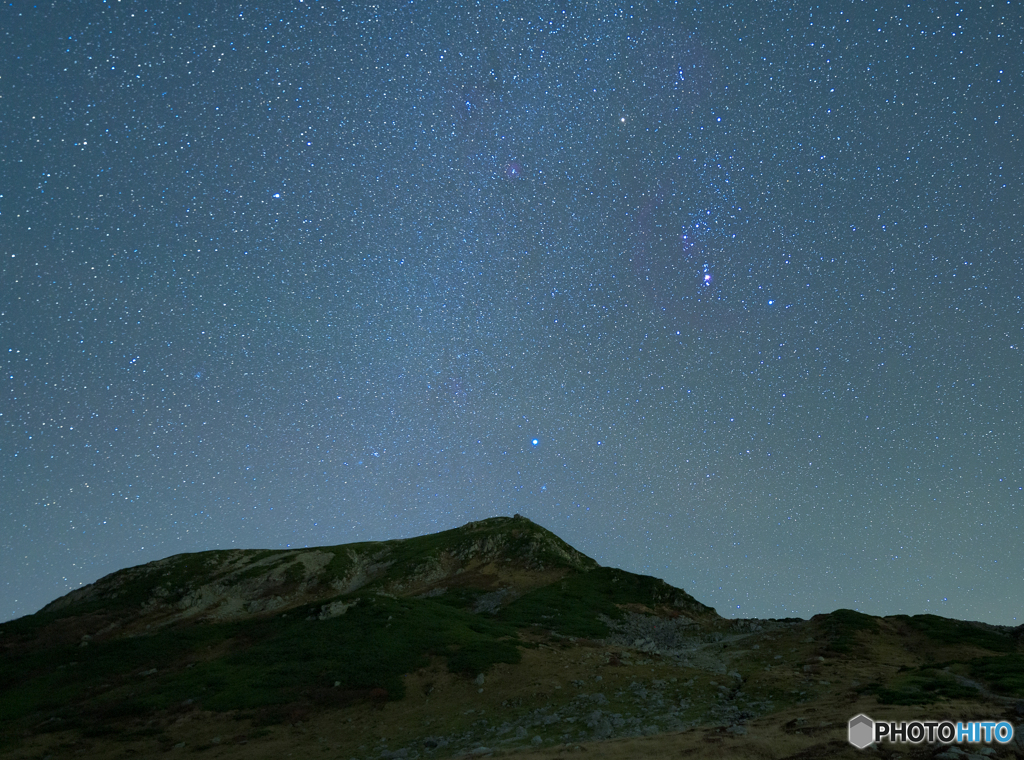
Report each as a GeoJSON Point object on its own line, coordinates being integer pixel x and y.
{"type": "Point", "coordinates": [494, 637]}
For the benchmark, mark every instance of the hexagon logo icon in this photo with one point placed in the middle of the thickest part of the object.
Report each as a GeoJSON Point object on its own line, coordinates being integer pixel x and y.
{"type": "Point", "coordinates": [862, 730]}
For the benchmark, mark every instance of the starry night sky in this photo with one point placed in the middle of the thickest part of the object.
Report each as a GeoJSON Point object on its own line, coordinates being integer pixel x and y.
{"type": "Point", "coordinates": [728, 294]}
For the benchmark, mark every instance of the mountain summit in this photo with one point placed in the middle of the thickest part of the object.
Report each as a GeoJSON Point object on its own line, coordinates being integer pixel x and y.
{"type": "Point", "coordinates": [491, 562]}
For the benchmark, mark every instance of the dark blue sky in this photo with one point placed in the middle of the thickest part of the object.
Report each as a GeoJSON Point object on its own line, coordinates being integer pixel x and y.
{"type": "Point", "coordinates": [728, 294]}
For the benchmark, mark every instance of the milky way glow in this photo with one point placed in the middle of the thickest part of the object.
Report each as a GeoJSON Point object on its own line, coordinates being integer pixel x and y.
{"type": "Point", "coordinates": [304, 274]}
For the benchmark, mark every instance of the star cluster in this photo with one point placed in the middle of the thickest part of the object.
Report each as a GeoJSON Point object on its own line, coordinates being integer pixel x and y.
{"type": "Point", "coordinates": [729, 294]}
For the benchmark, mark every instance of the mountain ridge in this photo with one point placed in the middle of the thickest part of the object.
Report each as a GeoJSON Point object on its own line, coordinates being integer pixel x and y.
{"type": "Point", "coordinates": [508, 556]}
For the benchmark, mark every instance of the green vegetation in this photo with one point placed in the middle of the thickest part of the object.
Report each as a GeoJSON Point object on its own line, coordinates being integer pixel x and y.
{"type": "Point", "coordinates": [263, 662]}
{"type": "Point", "coordinates": [295, 573]}
{"type": "Point", "coordinates": [920, 686]}
{"type": "Point", "coordinates": [463, 597]}
{"type": "Point", "coordinates": [571, 606]}
{"type": "Point", "coordinates": [46, 679]}
{"type": "Point", "coordinates": [26, 627]}
{"type": "Point", "coordinates": [1004, 674]}
{"type": "Point", "coordinates": [175, 576]}
{"type": "Point", "coordinates": [341, 562]}
{"type": "Point", "coordinates": [518, 541]}
{"type": "Point", "coordinates": [370, 647]}
{"type": "Point", "coordinates": [841, 628]}
{"type": "Point", "coordinates": [255, 570]}
{"type": "Point", "coordinates": [957, 632]}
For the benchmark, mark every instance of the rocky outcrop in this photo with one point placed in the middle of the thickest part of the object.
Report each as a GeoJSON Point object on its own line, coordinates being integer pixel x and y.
{"type": "Point", "coordinates": [334, 609]}
{"type": "Point", "coordinates": [365, 568]}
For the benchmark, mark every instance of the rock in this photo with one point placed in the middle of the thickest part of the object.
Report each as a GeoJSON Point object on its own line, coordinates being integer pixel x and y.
{"type": "Point", "coordinates": [739, 730]}
{"type": "Point", "coordinates": [536, 740]}
{"type": "Point", "coordinates": [266, 604]}
{"type": "Point", "coordinates": [649, 633]}
{"type": "Point", "coordinates": [479, 680]}
{"type": "Point", "coordinates": [492, 602]}
{"type": "Point", "coordinates": [521, 732]}
{"type": "Point", "coordinates": [479, 751]}
{"type": "Point", "coordinates": [335, 609]}
{"type": "Point", "coordinates": [599, 724]}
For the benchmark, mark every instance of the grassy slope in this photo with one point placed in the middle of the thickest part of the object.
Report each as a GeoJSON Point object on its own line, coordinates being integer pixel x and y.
{"type": "Point", "coordinates": [942, 650]}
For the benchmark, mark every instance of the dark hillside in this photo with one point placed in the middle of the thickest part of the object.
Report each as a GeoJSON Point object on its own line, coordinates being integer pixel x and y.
{"type": "Point", "coordinates": [497, 633]}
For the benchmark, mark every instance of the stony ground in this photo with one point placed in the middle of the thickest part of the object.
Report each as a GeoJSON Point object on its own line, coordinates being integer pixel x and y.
{"type": "Point", "coordinates": [653, 688]}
